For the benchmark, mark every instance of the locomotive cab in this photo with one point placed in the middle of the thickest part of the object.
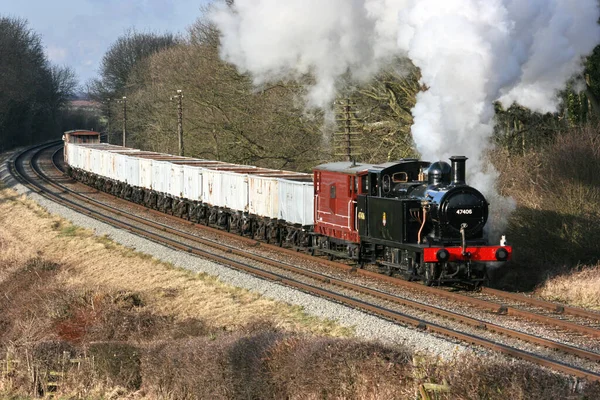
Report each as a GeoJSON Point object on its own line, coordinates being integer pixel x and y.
{"type": "Point", "coordinates": [384, 203]}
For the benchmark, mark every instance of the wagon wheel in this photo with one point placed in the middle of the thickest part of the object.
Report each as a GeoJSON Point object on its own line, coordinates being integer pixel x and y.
{"type": "Point", "coordinates": [229, 218]}
{"type": "Point", "coordinates": [242, 227]}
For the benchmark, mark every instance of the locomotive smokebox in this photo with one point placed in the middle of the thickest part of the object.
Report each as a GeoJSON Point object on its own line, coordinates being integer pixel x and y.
{"type": "Point", "coordinates": [458, 169]}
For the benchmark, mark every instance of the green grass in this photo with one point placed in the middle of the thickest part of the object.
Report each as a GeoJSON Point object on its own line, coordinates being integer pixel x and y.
{"type": "Point", "coordinates": [70, 231]}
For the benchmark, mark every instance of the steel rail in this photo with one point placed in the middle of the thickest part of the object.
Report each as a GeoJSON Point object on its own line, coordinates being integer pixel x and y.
{"type": "Point", "coordinates": [548, 305]}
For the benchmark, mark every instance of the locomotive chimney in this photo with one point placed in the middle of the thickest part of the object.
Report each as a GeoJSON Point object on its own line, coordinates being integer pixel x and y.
{"type": "Point", "coordinates": [458, 169]}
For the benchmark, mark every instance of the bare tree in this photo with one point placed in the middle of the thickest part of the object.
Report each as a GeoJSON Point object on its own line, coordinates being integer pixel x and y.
{"type": "Point", "coordinates": [31, 92]}
{"type": "Point", "coordinates": [384, 105]}
{"type": "Point", "coordinates": [121, 59]}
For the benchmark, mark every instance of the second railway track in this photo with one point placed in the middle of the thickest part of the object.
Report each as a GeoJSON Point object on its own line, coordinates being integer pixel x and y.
{"type": "Point", "coordinates": [346, 289]}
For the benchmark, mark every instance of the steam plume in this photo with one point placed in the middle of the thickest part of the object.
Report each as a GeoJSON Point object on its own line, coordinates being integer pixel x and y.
{"type": "Point", "coordinates": [470, 52]}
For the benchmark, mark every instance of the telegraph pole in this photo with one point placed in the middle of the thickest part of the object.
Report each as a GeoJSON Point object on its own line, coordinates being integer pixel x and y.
{"type": "Point", "coordinates": [108, 127]}
{"type": "Point", "coordinates": [179, 97]}
{"type": "Point", "coordinates": [347, 140]}
{"type": "Point", "coordinates": [124, 119]}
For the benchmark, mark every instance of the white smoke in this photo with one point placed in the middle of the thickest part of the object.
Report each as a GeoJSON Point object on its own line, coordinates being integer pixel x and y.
{"type": "Point", "coordinates": [274, 39]}
{"type": "Point", "coordinates": [471, 53]}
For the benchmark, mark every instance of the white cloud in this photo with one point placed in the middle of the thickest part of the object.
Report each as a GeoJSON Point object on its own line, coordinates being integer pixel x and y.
{"type": "Point", "coordinates": [57, 54]}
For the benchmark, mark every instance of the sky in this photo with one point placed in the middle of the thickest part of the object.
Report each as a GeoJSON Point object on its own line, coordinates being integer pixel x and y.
{"type": "Point", "coordinates": [77, 33]}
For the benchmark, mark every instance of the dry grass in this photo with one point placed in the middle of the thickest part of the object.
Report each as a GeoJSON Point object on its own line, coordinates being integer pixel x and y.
{"type": "Point", "coordinates": [93, 262]}
{"type": "Point", "coordinates": [580, 288]}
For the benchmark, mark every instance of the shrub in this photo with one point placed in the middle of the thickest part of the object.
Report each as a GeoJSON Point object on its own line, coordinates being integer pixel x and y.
{"type": "Point", "coordinates": [472, 379]}
{"type": "Point", "coordinates": [272, 364]}
{"type": "Point", "coordinates": [557, 223]}
{"type": "Point", "coordinates": [340, 368]}
{"type": "Point", "coordinates": [116, 364]}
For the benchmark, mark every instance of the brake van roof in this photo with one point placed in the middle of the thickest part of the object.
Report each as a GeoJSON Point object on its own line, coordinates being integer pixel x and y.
{"type": "Point", "coordinates": [352, 168]}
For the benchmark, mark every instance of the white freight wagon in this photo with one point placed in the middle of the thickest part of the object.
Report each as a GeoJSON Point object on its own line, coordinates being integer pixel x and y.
{"type": "Point", "coordinates": [96, 161]}
{"type": "Point", "coordinates": [263, 195]}
{"type": "Point", "coordinates": [175, 187]}
{"type": "Point", "coordinates": [234, 194]}
{"type": "Point", "coordinates": [145, 165]}
{"type": "Point", "coordinates": [72, 151]}
{"type": "Point", "coordinates": [159, 181]}
{"type": "Point", "coordinates": [84, 158]}
{"type": "Point", "coordinates": [192, 182]}
{"type": "Point", "coordinates": [296, 199]}
{"type": "Point", "coordinates": [132, 170]}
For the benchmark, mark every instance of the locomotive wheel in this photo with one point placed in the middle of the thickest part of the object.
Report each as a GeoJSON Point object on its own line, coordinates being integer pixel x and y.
{"type": "Point", "coordinates": [485, 280]}
{"type": "Point", "coordinates": [431, 272]}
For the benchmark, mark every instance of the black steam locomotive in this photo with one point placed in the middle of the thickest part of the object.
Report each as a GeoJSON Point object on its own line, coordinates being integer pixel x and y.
{"type": "Point", "coordinates": [412, 217]}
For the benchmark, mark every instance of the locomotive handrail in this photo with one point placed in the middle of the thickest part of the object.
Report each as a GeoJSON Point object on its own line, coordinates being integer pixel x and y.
{"type": "Point", "coordinates": [355, 216]}
{"type": "Point", "coordinates": [350, 214]}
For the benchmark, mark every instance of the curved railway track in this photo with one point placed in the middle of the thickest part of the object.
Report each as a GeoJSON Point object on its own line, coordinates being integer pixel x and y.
{"type": "Point", "coordinates": [383, 303]}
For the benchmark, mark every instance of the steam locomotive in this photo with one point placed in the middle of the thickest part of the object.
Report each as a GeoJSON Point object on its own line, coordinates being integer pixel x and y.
{"type": "Point", "coordinates": [409, 217]}
{"type": "Point", "coordinates": [412, 217]}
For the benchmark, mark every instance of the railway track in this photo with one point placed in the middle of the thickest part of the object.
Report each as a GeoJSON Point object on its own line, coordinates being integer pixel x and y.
{"type": "Point", "coordinates": [383, 303]}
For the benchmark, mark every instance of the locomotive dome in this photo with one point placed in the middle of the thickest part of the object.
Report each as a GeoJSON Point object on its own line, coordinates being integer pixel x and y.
{"type": "Point", "coordinates": [439, 172]}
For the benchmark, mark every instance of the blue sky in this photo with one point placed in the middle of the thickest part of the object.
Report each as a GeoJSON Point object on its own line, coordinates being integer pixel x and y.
{"type": "Point", "coordinates": [77, 33]}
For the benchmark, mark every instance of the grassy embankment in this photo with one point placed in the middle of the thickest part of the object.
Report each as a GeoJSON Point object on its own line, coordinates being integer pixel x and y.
{"type": "Point", "coordinates": [556, 228]}
{"type": "Point", "coordinates": [83, 317]}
